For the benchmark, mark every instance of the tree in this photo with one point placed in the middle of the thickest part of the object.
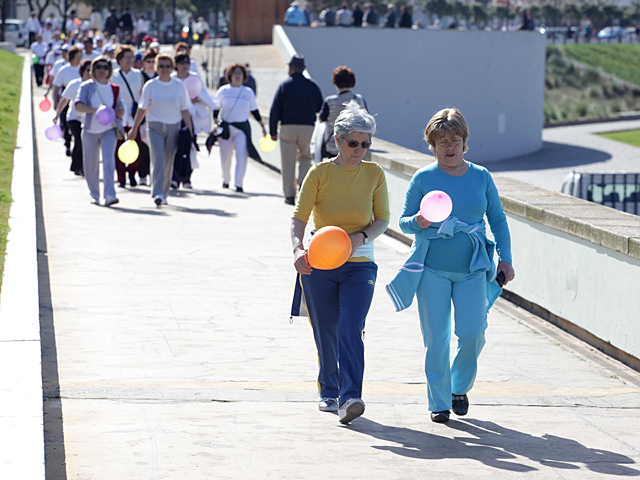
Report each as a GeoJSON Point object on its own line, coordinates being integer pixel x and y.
{"type": "Point", "coordinates": [479, 12]}
{"type": "Point", "coordinates": [551, 13]}
{"type": "Point", "coordinates": [572, 13]}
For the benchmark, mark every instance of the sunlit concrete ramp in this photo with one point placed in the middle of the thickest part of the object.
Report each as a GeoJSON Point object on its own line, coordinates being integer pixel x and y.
{"type": "Point", "coordinates": [168, 353]}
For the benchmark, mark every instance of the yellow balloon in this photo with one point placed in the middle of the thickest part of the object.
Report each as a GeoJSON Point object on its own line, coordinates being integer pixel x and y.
{"type": "Point", "coordinates": [267, 145]}
{"type": "Point", "coordinates": [196, 37]}
{"type": "Point", "coordinates": [128, 152]}
{"type": "Point", "coordinates": [62, 35]}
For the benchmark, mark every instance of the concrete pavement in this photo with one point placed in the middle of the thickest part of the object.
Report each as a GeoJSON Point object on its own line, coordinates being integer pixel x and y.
{"type": "Point", "coordinates": [168, 354]}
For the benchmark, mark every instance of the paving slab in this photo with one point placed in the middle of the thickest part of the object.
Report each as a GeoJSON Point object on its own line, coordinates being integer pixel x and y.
{"type": "Point", "coordinates": [168, 353]}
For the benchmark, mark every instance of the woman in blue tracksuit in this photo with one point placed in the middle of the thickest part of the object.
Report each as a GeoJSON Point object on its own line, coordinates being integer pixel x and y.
{"type": "Point", "coordinates": [452, 260]}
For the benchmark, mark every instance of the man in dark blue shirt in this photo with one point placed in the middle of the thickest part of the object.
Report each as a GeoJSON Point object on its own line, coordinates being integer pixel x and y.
{"type": "Point", "coordinates": [296, 104]}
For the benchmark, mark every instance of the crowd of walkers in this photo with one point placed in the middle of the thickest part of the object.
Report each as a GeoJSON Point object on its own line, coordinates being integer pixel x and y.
{"type": "Point", "coordinates": [159, 101]}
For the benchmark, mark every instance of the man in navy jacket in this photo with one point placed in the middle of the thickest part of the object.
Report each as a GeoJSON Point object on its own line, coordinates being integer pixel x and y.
{"type": "Point", "coordinates": [295, 105]}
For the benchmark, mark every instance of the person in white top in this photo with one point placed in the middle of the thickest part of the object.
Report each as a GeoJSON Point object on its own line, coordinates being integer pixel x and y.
{"type": "Point", "coordinates": [130, 81]}
{"type": "Point", "coordinates": [235, 102]}
{"type": "Point", "coordinates": [95, 20]}
{"type": "Point", "coordinates": [47, 33]}
{"type": "Point", "coordinates": [32, 26]}
{"type": "Point", "coordinates": [165, 102]}
{"type": "Point", "coordinates": [65, 75]}
{"type": "Point", "coordinates": [141, 29]}
{"type": "Point", "coordinates": [39, 49]}
{"type": "Point", "coordinates": [343, 16]}
{"type": "Point", "coordinates": [74, 119]}
{"type": "Point", "coordinates": [88, 53]}
{"type": "Point", "coordinates": [55, 23]}
{"type": "Point", "coordinates": [97, 137]}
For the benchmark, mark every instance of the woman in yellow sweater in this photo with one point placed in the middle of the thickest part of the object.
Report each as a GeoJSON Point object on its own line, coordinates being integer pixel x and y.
{"type": "Point", "coordinates": [351, 194]}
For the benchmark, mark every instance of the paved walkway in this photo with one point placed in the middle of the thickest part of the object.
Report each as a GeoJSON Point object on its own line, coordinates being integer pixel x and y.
{"type": "Point", "coordinates": [168, 354]}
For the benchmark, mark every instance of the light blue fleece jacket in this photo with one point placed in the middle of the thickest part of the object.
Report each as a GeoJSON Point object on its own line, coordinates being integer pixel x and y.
{"type": "Point", "coordinates": [460, 241]}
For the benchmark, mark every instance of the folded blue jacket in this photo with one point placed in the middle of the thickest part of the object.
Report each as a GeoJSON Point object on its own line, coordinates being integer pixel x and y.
{"type": "Point", "coordinates": [404, 285]}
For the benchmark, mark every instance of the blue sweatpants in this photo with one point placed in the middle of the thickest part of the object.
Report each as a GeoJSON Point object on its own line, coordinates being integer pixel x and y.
{"type": "Point", "coordinates": [435, 292]}
{"type": "Point", "coordinates": [338, 302]}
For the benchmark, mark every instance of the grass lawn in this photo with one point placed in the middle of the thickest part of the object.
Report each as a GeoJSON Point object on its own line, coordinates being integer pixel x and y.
{"type": "Point", "coordinates": [631, 137]}
{"type": "Point", "coordinates": [10, 88]}
{"type": "Point", "coordinates": [619, 59]}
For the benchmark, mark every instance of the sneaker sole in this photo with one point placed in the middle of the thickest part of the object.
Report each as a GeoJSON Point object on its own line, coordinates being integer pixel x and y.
{"type": "Point", "coordinates": [353, 411]}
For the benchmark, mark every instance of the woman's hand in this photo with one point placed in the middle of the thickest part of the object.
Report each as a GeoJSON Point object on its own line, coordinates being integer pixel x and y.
{"type": "Point", "coordinates": [507, 269]}
{"type": "Point", "coordinates": [357, 240]}
{"type": "Point", "coordinates": [423, 222]}
{"type": "Point", "coordinates": [264, 131]}
{"type": "Point", "coordinates": [119, 113]}
{"type": "Point", "coordinates": [133, 133]}
{"type": "Point", "coordinates": [301, 262]}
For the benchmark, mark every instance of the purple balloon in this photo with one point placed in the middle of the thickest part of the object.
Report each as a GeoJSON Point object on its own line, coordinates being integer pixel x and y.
{"type": "Point", "coordinates": [105, 115]}
{"type": "Point", "coordinates": [53, 133]}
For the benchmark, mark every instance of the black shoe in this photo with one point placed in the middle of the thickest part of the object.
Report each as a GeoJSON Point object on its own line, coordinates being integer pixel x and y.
{"type": "Point", "coordinates": [225, 185]}
{"type": "Point", "coordinates": [239, 189]}
{"type": "Point", "coordinates": [78, 173]}
{"type": "Point", "coordinates": [440, 417]}
{"type": "Point", "coordinates": [122, 185]}
{"type": "Point", "coordinates": [158, 201]}
{"type": "Point", "coordinates": [290, 200]}
{"type": "Point", "coordinates": [460, 404]}
{"type": "Point", "coordinates": [132, 180]}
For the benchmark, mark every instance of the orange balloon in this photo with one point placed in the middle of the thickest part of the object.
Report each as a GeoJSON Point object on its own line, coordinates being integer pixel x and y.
{"type": "Point", "coordinates": [329, 248]}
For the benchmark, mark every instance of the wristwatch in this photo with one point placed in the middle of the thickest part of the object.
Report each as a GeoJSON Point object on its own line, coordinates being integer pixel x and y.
{"type": "Point", "coordinates": [366, 237]}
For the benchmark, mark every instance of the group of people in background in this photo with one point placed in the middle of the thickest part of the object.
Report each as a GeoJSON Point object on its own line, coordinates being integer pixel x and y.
{"type": "Point", "coordinates": [147, 90]}
{"type": "Point", "coordinates": [357, 16]}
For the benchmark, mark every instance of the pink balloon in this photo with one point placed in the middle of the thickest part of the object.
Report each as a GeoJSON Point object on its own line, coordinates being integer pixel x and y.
{"type": "Point", "coordinates": [105, 115]}
{"type": "Point", "coordinates": [53, 133]}
{"type": "Point", "coordinates": [194, 86]}
{"type": "Point", "coordinates": [45, 105]}
{"type": "Point", "coordinates": [436, 206]}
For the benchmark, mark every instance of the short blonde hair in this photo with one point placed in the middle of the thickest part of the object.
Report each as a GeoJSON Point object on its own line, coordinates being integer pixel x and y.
{"type": "Point", "coordinates": [163, 56]}
{"type": "Point", "coordinates": [448, 121]}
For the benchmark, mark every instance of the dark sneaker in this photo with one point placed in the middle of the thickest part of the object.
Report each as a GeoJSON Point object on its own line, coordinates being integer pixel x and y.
{"type": "Point", "coordinates": [460, 404]}
{"type": "Point", "coordinates": [440, 417]}
{"type": "Point", "coordinates": [290, 200]}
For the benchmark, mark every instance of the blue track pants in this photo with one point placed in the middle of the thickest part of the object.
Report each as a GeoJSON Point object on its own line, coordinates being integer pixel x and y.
{"type": "Point", "coordinates": [338, 302]}
{"type": "Point", "coordinates": [435, 292]}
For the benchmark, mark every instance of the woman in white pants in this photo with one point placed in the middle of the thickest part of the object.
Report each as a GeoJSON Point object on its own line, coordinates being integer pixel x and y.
{"type": "Point", "coordinates": [95, 136]}
{"type": "Point", "coordinates": [166, 102]}
{"type": "Point", "coordinates": [234, 102]}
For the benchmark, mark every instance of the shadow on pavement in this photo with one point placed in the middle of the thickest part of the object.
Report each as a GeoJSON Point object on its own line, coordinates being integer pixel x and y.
{"type": "Point", "coordinates": [54, 450]}
{"type": "Point", "coordinates": [552, 155]}
{"type": "Point", "coordinates": [496, 446]}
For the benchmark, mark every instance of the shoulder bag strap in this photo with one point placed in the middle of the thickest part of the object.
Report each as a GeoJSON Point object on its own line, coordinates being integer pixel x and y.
{"type": "Point", "coordinates": [133, 99]}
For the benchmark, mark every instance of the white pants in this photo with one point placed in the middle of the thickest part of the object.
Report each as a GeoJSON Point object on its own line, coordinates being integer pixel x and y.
{"type": "Point", "coordinates": [237, 139]}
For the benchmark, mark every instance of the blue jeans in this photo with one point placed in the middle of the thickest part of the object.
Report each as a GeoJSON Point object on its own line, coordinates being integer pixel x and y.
{"type": "Point", "coordinates": [435, 292]}
{"type": "Point", "coordinates": [338, 302]}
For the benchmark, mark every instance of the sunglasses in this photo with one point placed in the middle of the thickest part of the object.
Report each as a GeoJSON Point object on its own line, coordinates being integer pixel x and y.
{"type": "Point", "coordinates": [355, 143]}
{"type": "Point", "coordinates": [102, 67]}
{"type": "Point", "coordinates": [165, 66]}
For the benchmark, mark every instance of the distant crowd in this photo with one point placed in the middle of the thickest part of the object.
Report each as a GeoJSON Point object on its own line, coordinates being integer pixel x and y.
{"type": "Point", "coordinates": [357, 16]}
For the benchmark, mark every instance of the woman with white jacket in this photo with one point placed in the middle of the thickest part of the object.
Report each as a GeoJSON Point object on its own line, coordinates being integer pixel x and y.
{"type": "Point", "coordinates": [201, 106]}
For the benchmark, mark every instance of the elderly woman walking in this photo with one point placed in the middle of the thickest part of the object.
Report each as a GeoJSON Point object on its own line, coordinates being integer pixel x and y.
{"type": "Point", "coordinates": [95, 136]}
{"type": "Point", "coordinates": [166, 103]}
{"type": "Point", "coordinates": [351, 194]}
{"type": "Point", "coordinates": [452, 261]}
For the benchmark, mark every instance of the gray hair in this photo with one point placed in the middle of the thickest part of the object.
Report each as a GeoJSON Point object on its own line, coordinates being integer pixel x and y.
{"type": "Point", "coordinates": [354, 119]}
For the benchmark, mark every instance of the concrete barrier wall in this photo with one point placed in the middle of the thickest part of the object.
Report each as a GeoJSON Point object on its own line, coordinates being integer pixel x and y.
{"type": "Point", "coordinates": [495, 78]}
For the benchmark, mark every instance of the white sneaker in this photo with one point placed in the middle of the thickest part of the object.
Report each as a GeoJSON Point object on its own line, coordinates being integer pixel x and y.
{"type": "Point", "coordinates": [110, 201]}
{"type": "Point", "coordinates": [95, 201]}
{"type": "Point", "coordinates": [164, 201]}
{"type": "Point", "coordinates": [328, 404]}
{"type": "Point", "coordinates": [350, 410]}
{"type": "Point", "coordinates": [143, 181]}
